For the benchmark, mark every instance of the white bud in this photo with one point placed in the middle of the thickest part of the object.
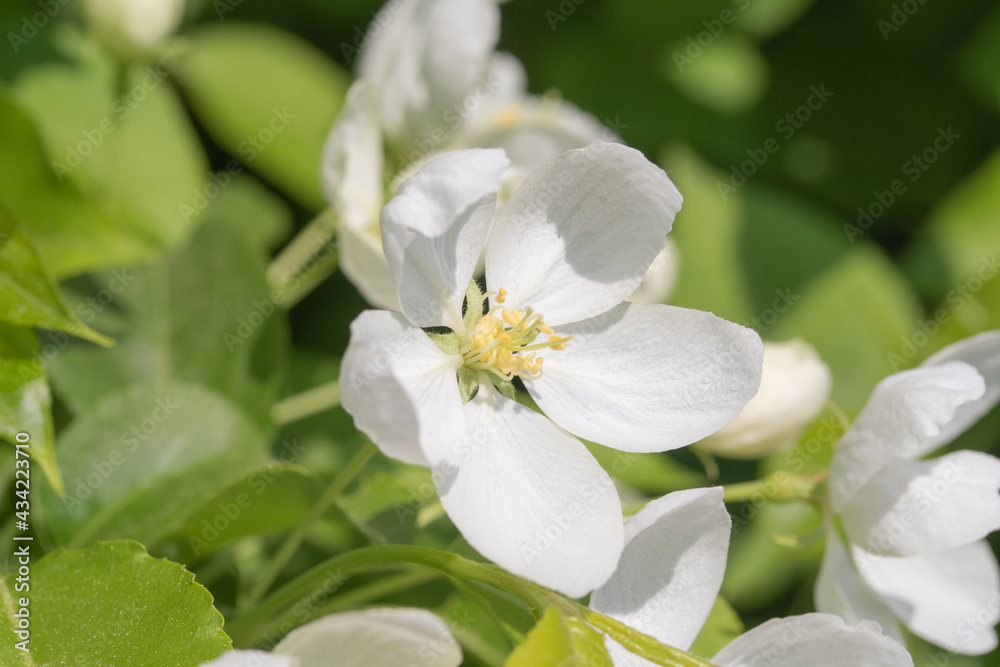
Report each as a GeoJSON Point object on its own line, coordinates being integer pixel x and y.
{"type": "Point", "coordinates": [131, 27]}
{"type": "Point", "coordinates": [794, 387]}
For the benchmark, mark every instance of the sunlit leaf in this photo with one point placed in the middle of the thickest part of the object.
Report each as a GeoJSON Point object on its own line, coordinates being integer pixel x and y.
{"type": "Point", "coordinates": [25, 399]}
{"type": "Point", "coordinates": [560, 640]}
{"type": "Point", "coordinates": [268, 97]}
{"type": "Point", "coordinates": [112, 605]}
{"type": "Point", "coordinates": [143, 460]}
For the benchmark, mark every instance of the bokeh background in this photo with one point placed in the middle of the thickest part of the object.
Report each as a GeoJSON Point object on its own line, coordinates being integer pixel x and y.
{"type": "Point", "coordinates": [877, 215]}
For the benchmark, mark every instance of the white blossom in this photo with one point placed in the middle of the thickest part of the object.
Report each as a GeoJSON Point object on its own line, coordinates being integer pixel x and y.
{"type": "Point", "coordinates": [369, 638]}
{"type": "Point", "coordinates": [571, 244]}
{"type": "Point", "coordinates": [915, 552]}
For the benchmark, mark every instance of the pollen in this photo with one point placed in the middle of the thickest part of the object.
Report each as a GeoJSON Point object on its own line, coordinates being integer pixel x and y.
{"type": "Point", "coordinates": [511, 350]}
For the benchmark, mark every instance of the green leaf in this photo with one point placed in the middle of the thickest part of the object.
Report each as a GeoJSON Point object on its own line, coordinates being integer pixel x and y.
{"type": "Point", "coordinates": [859, 315]}
{"type": "Point", "coordinates": [774, 222]}
{"type": "Point", "coordinates": [204, 315]}
{"type": "Point", "coordinates": [257, 214]}
{"type": "Point", "coordinates": [112, 605]}
{"type": "Point", "coordinates": [72, 234]}
{"type": "Point", "coordinates": [28, 297]}
{"type": "Point", "coordinates": [707, 232]}
{"type": "Point", "coordinates": [268, 500]}
{"type": "Point", "coordinates": [267, 97]}
{"type": "Point", "coordinates": [25, 399]}
{"type": "Point", "coordinates": [730, 77]}
{"type": "Point", "coordinates": [385, 506]}
{"type": "Point", "coordinates": [655, 474]}
{"type": "Point", "coordinates": [723, 626]}
{"type": "Point", "coordinates": [125, 139]}
{"type": "Point", "coordinates": [141, 461]}
{"type": "Point", "coordinates": [560, 640]}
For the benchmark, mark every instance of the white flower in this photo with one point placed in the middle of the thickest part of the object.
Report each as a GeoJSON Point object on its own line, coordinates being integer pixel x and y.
{"type": "Point", "coordinates": [370, 638]}
{"type": "Point", "coordinates": [130, 27]}
{"type": "Point", "coordinates": [430, 82]}
{"type": "Point", "coordinates": [668, 579]}
{"type": "Point", "coordinates": [572, 243]}
{"type": "Point", "coordinates": [915, 528]}
{"type": "Point", "coordinates": [793, 389]}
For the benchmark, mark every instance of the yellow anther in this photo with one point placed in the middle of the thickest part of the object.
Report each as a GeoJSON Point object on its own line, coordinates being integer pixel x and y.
{"type": "Point", "coordinates": [512, 317]}
{"type": "Point", "coordinates": [556, 345]}
{"type": "Point", "coordinates": [505, 340]}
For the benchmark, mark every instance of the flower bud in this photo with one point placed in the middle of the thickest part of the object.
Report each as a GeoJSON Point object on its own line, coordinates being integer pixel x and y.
{"type": "Point", "coordinates": [794, 387]}
{"type": "Point", "coordinates": [132, 27]}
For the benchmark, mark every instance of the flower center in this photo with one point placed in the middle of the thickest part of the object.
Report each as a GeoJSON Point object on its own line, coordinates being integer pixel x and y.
{"type": "Point", "coordinates": [503, 341]}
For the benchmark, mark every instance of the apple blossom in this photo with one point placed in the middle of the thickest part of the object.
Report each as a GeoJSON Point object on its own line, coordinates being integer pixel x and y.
{"type": "Point", "coordinates": [571, 244]}
{"type": "Point", "coordinates": [914, 529]}
{"type": "Point", "coordinates": [794, 387]}
{"type": "Point", "coordinates": [430, 82]}
{"type": "Point", "coordinates": [369, 638]}
{"type": "Point", "coordinates": [669, 577]}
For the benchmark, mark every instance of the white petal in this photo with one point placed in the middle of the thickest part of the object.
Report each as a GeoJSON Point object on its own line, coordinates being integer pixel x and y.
{"type": "Point", "coordinates": [578, 235]}
{"type": "Point", "coordinates": [532, 130]}
{"type": "Point", "coordinates": [840, 590]}
{"type": "Point", "coordinates": [363, 262]}
{"type": "Point", "coordinates": [903, 411]}
{"type": "Point", "coordinates": [374, 638]}
{"type": "Point", "coordinates": [351, 169]}
{"type": "Point", "coordinates": [661, 276]}
{"type": "Point", "coordinates": [401, 388]}
{"type": "Point", "coordinates": [252, 659]}
{"type": "Point", "coordinates": [982, 352]}
{"type": "Point", "coordinates": [531, 498]}
{"type": "Point", "coordinates": [672, 567]}
{"type": "Point", "coordinates": [817, 640]}
{"type": "Point", "coordinates": [951, 599]}
{"type": "Point", "coordinates": [794, 388]}
{"type": "Point", "coordinates": [913, 508]}
{"type": "Point", "coordinates": [649, 378]}
{"type": "Point", "coordinates": [426, 57]}
{"type": "Point", "coordinates": [434, 230]}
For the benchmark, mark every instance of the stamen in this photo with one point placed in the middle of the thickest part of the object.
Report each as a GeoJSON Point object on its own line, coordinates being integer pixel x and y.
{"type": "Point", "coordinates": [509, 352]}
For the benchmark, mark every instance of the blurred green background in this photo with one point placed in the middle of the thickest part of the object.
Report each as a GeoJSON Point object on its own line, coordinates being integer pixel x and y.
{"type": "Point", "coordinates": [705, 97]}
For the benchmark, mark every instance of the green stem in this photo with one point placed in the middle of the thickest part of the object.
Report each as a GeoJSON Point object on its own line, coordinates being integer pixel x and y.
{"type": "Point", "coordinates": [639, 643]}
{"type": "Point", "coordinates": [306, 404]}
{"type": "Point", "coordinates": [305, 262]}
{"type": "Point", "coordinates": [254, 626]}
{"type": "Point", "coordinates": [779, 486]}
{"type": "Point", "coordinates": [294, 539]}
{"type": "Point", "coordinates": [258, 625]}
